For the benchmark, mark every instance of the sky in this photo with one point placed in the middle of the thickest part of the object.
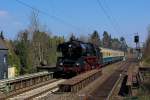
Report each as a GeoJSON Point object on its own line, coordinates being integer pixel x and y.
{"type": "Point", "coordinates": [81, 17]}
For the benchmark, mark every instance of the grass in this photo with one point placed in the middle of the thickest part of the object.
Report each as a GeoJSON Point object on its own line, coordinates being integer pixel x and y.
{"type": "Point", "coordinates": [144, 90]}
{"type": "Point", "coordinates": [146, 62]}
{"type": "Point", "coordinates": [138, 98]}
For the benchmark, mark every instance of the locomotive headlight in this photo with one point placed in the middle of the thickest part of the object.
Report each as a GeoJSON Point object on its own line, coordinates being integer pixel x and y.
{"type": "Point", "coordinates": [61, 64]}
{"type": "Point", "coordinates": [77, 64]}
{"type": "Point", "coordinates": [70, 45]}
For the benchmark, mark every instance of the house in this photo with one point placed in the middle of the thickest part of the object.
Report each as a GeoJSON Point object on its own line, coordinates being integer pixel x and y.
{"type": "Point", "coordinates": [3, 62]}
{"type": "Point", "coordinates": [3, 57]}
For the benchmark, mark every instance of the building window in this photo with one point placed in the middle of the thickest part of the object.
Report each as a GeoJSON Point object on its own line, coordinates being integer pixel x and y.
{"type": "Point", "coordinates": [5, 75]}
{"type": "Point", "coordinates": [5, 59]}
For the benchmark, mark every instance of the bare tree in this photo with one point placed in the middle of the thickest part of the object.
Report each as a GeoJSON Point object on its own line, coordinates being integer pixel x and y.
{"type": "Point", "coordinates": [34, 22]}
{"type": "Point", "coordinates": [147, 45]}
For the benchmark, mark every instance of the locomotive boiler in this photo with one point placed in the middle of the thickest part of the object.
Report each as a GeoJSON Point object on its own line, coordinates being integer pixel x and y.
{"type": "Point", "coordinates": [77, 57]}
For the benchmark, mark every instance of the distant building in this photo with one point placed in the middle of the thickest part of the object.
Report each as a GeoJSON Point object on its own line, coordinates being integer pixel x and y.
{"type": "Point", "coordinates": [11, 72]}
{"type": "Point", "coordinates": [3, 62]}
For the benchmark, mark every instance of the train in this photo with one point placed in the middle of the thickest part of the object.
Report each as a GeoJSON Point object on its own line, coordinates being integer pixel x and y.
{"type": "Point", "coordinates": [110, 56]}
{"type": "Point", "coordinates": [78, 57]}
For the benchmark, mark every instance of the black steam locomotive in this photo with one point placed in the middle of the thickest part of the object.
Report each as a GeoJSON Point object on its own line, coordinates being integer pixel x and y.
{"type": "Point", "coordinates": [77, 57]}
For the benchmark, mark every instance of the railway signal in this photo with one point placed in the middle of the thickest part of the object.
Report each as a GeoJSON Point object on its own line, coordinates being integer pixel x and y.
{"type": "Point", "coordinates": [136, 40]}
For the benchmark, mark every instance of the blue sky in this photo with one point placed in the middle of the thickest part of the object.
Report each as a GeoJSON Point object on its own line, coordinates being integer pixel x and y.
{"type": "Point", "coordinates": [128, 16]}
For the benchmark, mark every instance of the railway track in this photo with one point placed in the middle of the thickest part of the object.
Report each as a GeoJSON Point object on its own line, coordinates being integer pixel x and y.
{"type": "Point", "coordinates": [18, 85]}
{"type": "Point", "coordinates": [103, 91]}
{"type": "Point", "coordinates": [124, 85]}
{"type": "Point", "coordinates": [41, 96]}
{"type": "Point", "coordinates": [83, 92]}
{"type": "Point", "coordinates": [29, 95]}
{"type": "Point", "coordinates": [100, 93]}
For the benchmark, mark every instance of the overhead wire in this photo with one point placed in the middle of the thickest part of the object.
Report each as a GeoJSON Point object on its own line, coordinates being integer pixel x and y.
{"type": "Point", "coordinates": [49, 15]}
{"type": "Point", "coordinates": [113, 18]}
{"type": "Point", "coordinates": [109, 17]}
